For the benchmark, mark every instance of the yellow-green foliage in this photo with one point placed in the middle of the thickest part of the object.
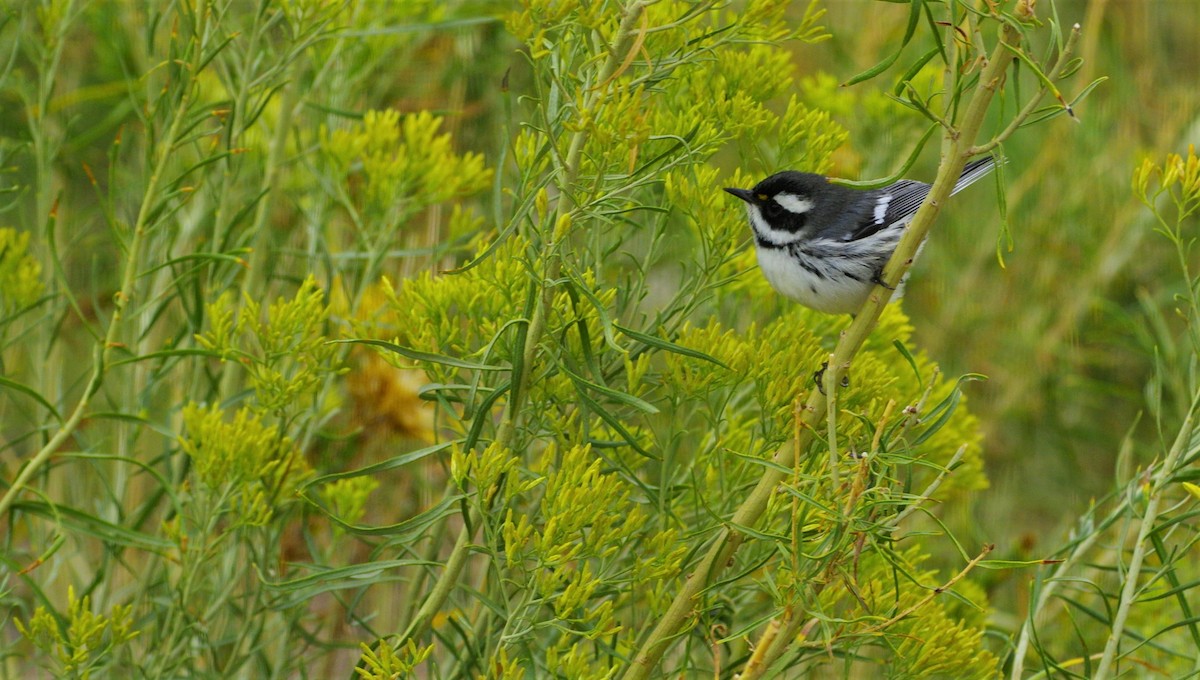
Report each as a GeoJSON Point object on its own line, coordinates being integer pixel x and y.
{"type": "Point", "coordinates": [777, 362]}
{"type": "Point", "coordinates": [559, 547]}
{"type": "Point", "coordinates": [20, 273]}
{"type": "Point", "coordinates": [481, 469]}
{"type": "Point", "coordinates": [347, 498]}
{"type": "Point", "coordinates": [405, 161]}
{"type": "Point", "coordinates": [71, 648]}
{"type": "Point", "coordinates": [252, 460]}
{"type": "Point", "coordinates": [1170, 188]}
{"type": "Point", "coordinates": [457, 315]}
{"type": "Point", "coordinates": [1157, 608]}
{"type": "Point", "coordinates": [929, 643]}
{"type": "Point", "coordinates": [384, 663]}
{"type": "Point", "coordinates": [285, 352]}
{"type": "Point", "coordinates": [501, 667]}
{"type": "Point", "coordinates": [928, 633]}
{"type": "Point", "coordinates": [631, 445]}
{"type": "Point", "coordinates": [695, 194]}
{"type": "Point", "coordinates": [1178, 177]}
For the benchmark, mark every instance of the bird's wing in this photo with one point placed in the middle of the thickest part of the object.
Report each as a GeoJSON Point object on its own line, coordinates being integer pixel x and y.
{"type": "Point", "coordinates": [906, 198]}
{"type": "Point", "coordinates": [899, 202]}
{"type": "Point", "coordinates": [894, 203]}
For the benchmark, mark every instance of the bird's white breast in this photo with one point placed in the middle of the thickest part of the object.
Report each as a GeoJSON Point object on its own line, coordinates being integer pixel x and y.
{"type": "Point", "coordinates": [830, 294]}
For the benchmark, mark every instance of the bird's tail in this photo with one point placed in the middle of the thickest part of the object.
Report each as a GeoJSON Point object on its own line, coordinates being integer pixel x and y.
{"type": "Point", "coordinates": [973, 172]}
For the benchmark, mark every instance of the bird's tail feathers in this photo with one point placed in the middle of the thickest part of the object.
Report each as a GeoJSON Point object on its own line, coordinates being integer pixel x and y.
{"type": "Point", "coordinates": [973, 172]}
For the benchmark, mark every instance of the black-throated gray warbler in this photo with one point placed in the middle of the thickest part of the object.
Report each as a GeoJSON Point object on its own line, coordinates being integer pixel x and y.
{"type": "Point", "coordinates": [825, 245]}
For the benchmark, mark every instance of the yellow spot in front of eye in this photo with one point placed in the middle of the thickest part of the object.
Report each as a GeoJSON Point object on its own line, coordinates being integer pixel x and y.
{"type": "Point", "coordinates": [762, 197]}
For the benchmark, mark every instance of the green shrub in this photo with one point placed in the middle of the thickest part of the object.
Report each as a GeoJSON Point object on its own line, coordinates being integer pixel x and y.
{"type": "Point", "coordinates": [523, 410]}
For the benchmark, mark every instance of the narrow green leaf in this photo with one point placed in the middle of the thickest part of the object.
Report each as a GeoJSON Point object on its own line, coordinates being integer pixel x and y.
{"type": "Point", "coordinates": [232, 258]}
{"type": "Point", "coordinates": [168, 487]}
{"type": "Point", "coordinates": [615, 395]}
{"type": "Point", "coordinates": [162, 429]}
{"type": "Point", "coordinates": [1070, 68]}
{"type": "Point", "coordinates": [31, 393]}
{"type": "Point", "coordinates": [400, 29]}
{"type": "Point", "coordinates": [914, 15]}
{"type": "Point", "coordinates": [585, 337]}
{"type": "Point", "coordinates": [95, 527]}
{"type": "Point", "coordinates": [433, 391]}
{"type": "Point", "coordinates": [167, 354]}
{"type": "Point", "coordinates": [417, 355]}
{"type": "Point", "coordinates": [1054, 110]}
{"type": "Point", "coordinates": [408, 529]}
{"type": "Point", "coordinates": [899, 174]}
{"type": "Point", "coordinates": [1004, 238]}
{"type": "Point", "coordinates": [484, 415]}
{"type": "Point", "coordinates": [606, 322]}
{"type": "Point", "coordinates": [382, 466]}
{"type": "Point", "coordinates": [1013, 564]}
{"type": "Point", "coordinates": [518, 376]}
{"type": "Point", "coordinates": [667, 346]}
{"type": "Point", "coordinates": [946, 408]}
{"type": "Point", "coordinates": [300, 590]}
{"type": "Point", "coordinates": [613, 422]}
{"type": "Point", "coordinates": [680, 142]}
{"type": "Point", "coordinates": [913, 101]}
{"type": "Point", "coordinates": [912, 361]}
{"type": "Point", "coordinates": [1106, 620]}
{"type": "Point", "coordinates": [936, 32]}
{"type": "Point", "coordinates": [809, 500]}
{"type": "Point", "coordinates": [905, 80]}
{"type": "Point", "coordinates": [764, 462]}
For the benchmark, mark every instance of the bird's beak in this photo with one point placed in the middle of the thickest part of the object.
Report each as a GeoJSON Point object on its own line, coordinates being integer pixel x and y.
{"type": "Point", "coordinates": [744, 194]}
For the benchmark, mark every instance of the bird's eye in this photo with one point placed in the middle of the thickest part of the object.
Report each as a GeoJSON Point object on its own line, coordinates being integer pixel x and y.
{"type": "Point", "coordinates": [772, 209]}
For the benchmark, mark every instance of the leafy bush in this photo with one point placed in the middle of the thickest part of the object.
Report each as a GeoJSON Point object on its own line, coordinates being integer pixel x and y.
{"type": "Point", "coordinates": [296, 385]}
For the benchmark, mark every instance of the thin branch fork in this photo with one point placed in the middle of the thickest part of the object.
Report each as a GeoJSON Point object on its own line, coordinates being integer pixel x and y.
{"type": "Point", "coordinates": [884, 625]}
{"type": "Point", "coordinates": [1046, 86]}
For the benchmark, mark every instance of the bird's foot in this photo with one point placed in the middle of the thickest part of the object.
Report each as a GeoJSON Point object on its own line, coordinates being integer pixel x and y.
{"type": "Point", "coordinates": [877, 279]}
{"type": "Point", "coordinates": [819, 378]}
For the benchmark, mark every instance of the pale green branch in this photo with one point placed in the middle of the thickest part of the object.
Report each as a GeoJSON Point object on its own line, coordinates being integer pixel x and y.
{"type": "Point", "coordinates": [1026, 111]}
{"type": "Point", "coordinates": [1129, 592]}
{"type": "Point", "coordinates": [729, 538]}
{"type": "Point", "coordinates": [104, 349]}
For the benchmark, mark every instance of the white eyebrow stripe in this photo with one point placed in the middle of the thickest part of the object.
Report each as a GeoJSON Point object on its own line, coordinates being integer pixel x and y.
{"type": "Point", "coordinates": [793, 203]}
{"type": "Point", "coordinates": [881, 208]}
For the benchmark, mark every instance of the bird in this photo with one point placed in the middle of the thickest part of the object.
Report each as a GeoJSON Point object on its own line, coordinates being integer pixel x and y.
{"type": "Point", "coordinates": [824, 245]}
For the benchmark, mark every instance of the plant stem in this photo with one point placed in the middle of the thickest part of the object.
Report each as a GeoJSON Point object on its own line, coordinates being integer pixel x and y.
{"type": "Point", "coordinates": [1030, 105]}
{"type": "Point", "coordinates": [103, 350]}
{"type": "Point", "coordinates": [443, 586]}
{"type": "Point", "coordinates": [255, 285]}
{"type": "Point", "coordinates": [1162, 478]}
{"type": "Point", "coordinates": [506, 434]}
{"type": "Point", "coordinates": [1052, 583]}
{"type": "Point", "coordinates": [729, 538]}
{"type": "Point", "coordinates": [44, 153]}
{"type": "Point", "coordinates": [779, 640]}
